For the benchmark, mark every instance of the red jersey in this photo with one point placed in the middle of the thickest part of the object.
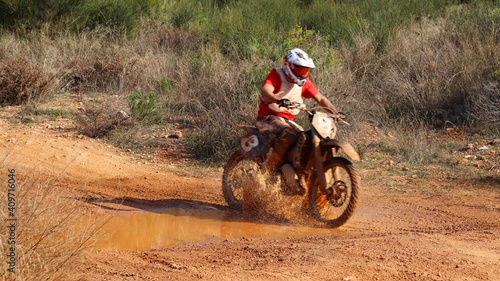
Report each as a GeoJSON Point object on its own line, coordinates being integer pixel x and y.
{"type": "Point", "coordinates": [274, 79]}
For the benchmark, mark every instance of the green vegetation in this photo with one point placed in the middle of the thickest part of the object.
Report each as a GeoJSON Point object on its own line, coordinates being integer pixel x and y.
{"type": "Point", "coordinates": [118, 15]}
{"type": "Point", "coordinates": [421, 64]}
{"type": "Point", "coordinates": [51, 113]}
{"type": "Point", "coordinates": [145, 108]}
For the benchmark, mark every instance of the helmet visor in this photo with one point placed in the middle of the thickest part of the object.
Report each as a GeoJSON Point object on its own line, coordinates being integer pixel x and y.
{"type": "Point", "coordinates": [300, 71]}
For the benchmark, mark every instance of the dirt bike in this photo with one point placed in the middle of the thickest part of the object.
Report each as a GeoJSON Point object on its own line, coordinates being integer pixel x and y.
{"type": "Point", "coordinates": [330, 182]}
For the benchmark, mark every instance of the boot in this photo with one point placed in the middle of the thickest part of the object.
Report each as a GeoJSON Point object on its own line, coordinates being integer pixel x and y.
{"type": "Point", "coordinates": [276, 155]}
{"type": "Point", "coordinates": [291, 180]}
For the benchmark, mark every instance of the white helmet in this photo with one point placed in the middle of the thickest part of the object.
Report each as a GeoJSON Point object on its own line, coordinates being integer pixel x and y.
{"type": "Point", "coordinates": [297, 65]}
{"type": "Point", "coordinates": [300, 58]}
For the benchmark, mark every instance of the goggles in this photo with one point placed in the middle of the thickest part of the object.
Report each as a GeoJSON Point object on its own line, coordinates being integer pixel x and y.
{"type": "Point", "coordinates": [299, 71]}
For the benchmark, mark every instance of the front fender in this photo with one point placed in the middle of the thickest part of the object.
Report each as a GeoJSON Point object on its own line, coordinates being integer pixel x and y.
{"type": "Point", "coordinates": [345, 146]}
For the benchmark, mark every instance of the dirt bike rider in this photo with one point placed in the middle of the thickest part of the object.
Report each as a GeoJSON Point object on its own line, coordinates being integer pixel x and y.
{"type": "Point", "coordinates": [283, 86]}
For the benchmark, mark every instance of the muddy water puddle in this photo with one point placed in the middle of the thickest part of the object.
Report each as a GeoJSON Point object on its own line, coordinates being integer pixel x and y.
{"type": "Point", "coordinates": [154, 230]}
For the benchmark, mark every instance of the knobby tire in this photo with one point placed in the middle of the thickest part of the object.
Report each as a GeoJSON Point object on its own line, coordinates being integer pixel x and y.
{"type": "Point", "coordinates": [229, 182]}
{"type": "Point", "coordinates": [319, 204]}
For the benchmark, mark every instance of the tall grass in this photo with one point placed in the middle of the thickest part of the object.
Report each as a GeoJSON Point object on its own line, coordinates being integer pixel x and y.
{"type": "Point", "coordinates": [118, 15]}
{"type": "Point", "coordinates": [432, 72]}
{"type": "Point", "coordinates": [49, 231]}
{"type": "Point", "coordinates": [380, 61]}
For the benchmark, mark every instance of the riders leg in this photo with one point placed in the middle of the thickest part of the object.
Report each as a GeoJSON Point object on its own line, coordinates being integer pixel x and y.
{"type": "Point", "coordinates": [284, 141]}
{"type": "Point", "coordinates": [291, 179]}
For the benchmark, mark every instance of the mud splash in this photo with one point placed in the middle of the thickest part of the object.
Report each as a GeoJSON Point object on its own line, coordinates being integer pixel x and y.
{"type": "Point", "coordinates": [263, 198]}
{"type": "Point", "coordinates": [154, 230]}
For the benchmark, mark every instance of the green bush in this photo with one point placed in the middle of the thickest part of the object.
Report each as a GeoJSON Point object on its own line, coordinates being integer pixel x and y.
{"type": "Point", "coordinates": [145, 108]}
{"type": "Point", "coordinates": [35, 13]}
{"type": "Point", "coordinates": [118, 15]}
{"type": "Point", "coordinates": [185, 15]}
{"type": "Point", "coordinates": [5, 13]}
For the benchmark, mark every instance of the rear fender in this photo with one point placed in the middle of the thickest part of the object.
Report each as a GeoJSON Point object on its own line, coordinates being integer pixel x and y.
{"type": "Point", "coordinates": [345, 146]}
{"type": "Point", "coordinates": [249, 129]}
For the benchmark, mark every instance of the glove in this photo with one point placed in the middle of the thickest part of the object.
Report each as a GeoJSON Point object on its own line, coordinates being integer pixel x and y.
{"type": "Point", "coordinates": [341, 115]}
{"type": "Point", "coordinates": [284, 103]}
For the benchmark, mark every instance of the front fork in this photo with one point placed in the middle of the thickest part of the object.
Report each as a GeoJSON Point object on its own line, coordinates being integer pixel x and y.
{"type": "Point", "coordinates": [320, 171]}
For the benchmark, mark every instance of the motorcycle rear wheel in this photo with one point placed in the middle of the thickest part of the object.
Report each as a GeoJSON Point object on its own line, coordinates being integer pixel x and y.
{"type": "Point", "coordinates": [233, 179]}
{"type": "Point", "coordinates": [335, 209]}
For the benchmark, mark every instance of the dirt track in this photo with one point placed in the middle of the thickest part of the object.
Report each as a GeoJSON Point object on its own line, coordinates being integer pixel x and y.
{"type": "Point", "coordinates": [436, 230]}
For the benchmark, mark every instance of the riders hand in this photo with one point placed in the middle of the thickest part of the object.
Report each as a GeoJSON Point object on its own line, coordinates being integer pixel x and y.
{"type": "Point", "coordinates": [338, 116]}
{"type": "Point", "coordinates": [284, 103]}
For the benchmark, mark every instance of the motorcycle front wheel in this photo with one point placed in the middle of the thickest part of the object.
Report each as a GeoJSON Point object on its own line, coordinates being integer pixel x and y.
{"type": "Point", "coordinates": [334, 209]}
{"type": "Point", "coordinates": [234, 179]}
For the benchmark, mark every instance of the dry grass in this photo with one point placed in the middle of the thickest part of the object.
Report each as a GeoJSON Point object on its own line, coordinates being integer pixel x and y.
{"type": "Point", "coordinates": [22, 81]}
{"type": "Point", "coordinates": [49, 234]}
{"type": "Point", "coordinates": [432, 71]}
{"type": "Point", "coordinates": [97, 118]}
{"type": "Point", "coordinates": [101, 74]}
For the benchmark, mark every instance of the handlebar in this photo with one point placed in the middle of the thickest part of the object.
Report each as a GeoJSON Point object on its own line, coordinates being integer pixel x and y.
{"type": "Point", "coordinates": [302, 107]}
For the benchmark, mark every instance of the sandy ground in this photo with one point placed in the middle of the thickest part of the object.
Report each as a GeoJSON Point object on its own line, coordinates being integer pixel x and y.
{"type": "Point", "coordinates": [433, 228]}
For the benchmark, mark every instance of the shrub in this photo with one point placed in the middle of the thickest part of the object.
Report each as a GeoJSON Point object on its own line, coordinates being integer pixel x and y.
{"type": "Point", "coordinates": [22, 81]}
{"type": "Point", "coordinates": [149, 7]}
{"type": "Point", "coordinates": [98, 119]}
{"type": "Point", "coordinates": [33, 14]}
{"type": "Point", "coordinates": [164, 85]}
{"type": "Point", "coordinates": [430, 72]}
{"type": "Point", "coordinates": [100, 75]}
{"type": "Point", "coordinates": [483, 107]}
{"type": "Point", "coordinates": [5, 13]}
{"type": "Point", "coordinates": [118, 15]}
{"type": "Point", "coordinates": [145, 108]}
{"type": "Point", "coordinates": [183, 15]}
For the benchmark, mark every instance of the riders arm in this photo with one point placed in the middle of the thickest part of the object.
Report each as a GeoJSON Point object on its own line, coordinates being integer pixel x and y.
{"type": "Point", "coordinates": [267, 93]}
{"type": "Point", "coordinates": [324, 102]}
